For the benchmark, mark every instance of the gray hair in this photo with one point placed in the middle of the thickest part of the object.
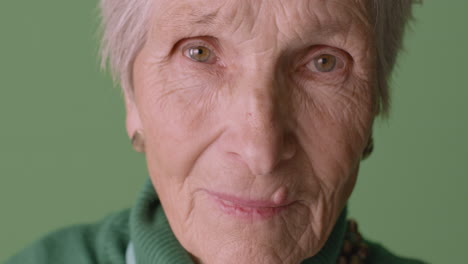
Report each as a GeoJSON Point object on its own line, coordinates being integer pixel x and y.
{"type": "Point", "coordinates": [125, 25]}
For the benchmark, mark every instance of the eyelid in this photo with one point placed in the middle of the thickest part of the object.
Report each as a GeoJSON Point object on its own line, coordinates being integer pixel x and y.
{"type": "Point", "coordinates": [187, 43]}
{"type": "Point", "coordinates": [343, 58]}
{"type": "Point", "coordinates": [321, 50]}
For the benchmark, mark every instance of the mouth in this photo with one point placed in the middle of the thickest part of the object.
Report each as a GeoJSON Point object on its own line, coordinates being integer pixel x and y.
{"type": "Point", "coordinates": [248, 209]}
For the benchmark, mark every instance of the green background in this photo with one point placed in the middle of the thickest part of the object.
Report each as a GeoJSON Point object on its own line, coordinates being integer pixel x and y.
{"type": "Point", "coordinates": [65, 157]}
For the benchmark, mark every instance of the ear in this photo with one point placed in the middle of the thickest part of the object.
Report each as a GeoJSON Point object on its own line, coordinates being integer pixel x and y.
{"type": "Point", "coordinates": [133, 121]}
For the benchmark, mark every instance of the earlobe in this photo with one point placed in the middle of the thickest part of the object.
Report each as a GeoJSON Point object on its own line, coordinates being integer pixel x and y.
{"type": "Point", "coordinates": [138, 142]}
{"type": "Point", "coordinates": [369, 148]}
{"type": "Point", "coordinates": [133, 123]}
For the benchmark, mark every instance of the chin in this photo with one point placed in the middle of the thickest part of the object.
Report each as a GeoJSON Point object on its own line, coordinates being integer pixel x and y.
{"type": "Point", "coordinates": [215, 234]}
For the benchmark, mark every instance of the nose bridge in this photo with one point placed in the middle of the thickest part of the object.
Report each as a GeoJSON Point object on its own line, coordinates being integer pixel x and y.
{"type": "Point", "coordinates": [262, 121]}
{"type": "Point", "coordinates": [262, 131]}
{"type": "Point", "coordinates": [260, 99]}
{"type": "Point", "coordinates": [261, 107]}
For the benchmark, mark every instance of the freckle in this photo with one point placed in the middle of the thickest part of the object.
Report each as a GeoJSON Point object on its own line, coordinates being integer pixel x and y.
{"type": "Point", "coordinates": [280, 196]}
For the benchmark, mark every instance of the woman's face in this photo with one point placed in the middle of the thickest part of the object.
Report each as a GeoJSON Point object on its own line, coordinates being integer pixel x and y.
{"type": "Point", "coordinates": [255, 115]}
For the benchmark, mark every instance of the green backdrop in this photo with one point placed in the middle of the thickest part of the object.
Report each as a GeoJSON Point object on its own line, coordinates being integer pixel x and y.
{"type": "Point", "coordinates": [65, 157]}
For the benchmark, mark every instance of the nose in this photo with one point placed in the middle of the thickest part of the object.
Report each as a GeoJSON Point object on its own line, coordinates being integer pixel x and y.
{"type": "Point", "coordinates": [262, 135]}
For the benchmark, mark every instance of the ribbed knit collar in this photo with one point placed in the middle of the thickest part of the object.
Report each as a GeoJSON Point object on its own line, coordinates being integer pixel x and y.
{"type": "Point", "coordinates": [154, 241]}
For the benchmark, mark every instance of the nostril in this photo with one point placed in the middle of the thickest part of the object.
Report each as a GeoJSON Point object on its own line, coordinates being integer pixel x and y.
{"type": "Point", "coordinates": [289, 152]}
{"type": "Point", "coordinates": [289, 149]}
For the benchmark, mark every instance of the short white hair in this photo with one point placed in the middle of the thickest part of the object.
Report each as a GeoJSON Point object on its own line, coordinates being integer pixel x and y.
{"type": "Point", "coordinates": [125, 25]}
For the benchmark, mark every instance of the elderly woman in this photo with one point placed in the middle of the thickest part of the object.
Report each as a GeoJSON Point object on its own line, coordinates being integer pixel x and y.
{"type": "Point", "coordinates": [254, 117]}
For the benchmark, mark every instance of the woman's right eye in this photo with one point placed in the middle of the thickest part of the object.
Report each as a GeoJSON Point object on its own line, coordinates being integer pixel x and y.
{"type": "Point", "coordinates": [200, 54]}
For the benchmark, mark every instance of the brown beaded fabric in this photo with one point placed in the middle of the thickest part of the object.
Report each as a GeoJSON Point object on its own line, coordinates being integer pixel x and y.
{"type": "Point", "coordinates": [354, 250]}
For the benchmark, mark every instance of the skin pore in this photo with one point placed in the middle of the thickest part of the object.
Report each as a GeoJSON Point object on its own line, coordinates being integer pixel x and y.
{"type": "Point", "coordinates": [255, 115]}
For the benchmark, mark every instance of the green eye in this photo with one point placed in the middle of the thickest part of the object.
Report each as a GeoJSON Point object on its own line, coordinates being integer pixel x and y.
{"type": "Point", "coordinates": [325, 63]}
{"type": "Point", "coordinates": [199, 54]}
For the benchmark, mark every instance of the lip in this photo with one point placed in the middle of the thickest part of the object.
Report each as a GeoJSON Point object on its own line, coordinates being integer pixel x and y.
{"type": "Point", "coordinates": [246, 208]}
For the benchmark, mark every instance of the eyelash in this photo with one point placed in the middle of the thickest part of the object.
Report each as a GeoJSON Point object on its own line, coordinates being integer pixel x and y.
{"type": "Point", "coordinates": [198, 43]}
{"type": "Point", "coordinates": [344, 62]}
{"type": "Point", "coordinates": [327, 51]}
{"type": "Point", "coordinates": [343, 58]}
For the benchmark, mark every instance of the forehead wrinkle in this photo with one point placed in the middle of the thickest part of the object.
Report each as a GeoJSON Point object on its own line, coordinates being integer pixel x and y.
{"type": "Point", "coordinates": [319, 20]}
{"type": "Point", "coordinates": [180, 14]}
{"type": "Point", "coordinates": [195, 17]}
{"type": "Point", "coordinates": [308, 22]}
{"type": "Point", "coordinates": [337, 15]}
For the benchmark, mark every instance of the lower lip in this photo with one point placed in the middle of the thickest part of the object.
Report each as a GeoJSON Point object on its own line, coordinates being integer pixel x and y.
{"type": "Point", "coordinates": [248, 212]}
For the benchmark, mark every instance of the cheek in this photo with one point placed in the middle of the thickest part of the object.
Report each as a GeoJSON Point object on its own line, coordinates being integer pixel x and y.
{"type": "Point", "coordinates": [345, 109]}
{"type": "Point", "coordinates": [172, 100]}
{"type": "Point", "coordinates": [334, 128]}
{"type": "Point", "coordinates": [178, 108]}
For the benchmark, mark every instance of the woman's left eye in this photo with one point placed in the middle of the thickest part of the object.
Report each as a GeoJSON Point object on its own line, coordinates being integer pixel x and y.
{"type": "Point", "coordinates": [325, 63]}
{"type": "Point", "coordinates": [200, 54]}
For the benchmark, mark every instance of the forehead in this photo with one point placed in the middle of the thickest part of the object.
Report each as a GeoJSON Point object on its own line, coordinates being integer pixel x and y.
{"type": "Point", "coordinates": [327, 14]}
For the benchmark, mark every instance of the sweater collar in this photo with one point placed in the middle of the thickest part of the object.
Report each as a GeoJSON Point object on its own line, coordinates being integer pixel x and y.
{"type": "Point", "coordinates": [154, 242]}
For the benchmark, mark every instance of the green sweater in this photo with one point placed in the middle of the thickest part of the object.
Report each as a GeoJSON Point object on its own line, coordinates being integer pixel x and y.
{"type": "Point", "coordinates": [147, 228]}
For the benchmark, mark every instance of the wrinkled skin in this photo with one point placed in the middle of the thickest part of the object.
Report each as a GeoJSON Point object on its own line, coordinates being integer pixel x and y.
{"type": "Point", "coordinates": [257, 121]}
